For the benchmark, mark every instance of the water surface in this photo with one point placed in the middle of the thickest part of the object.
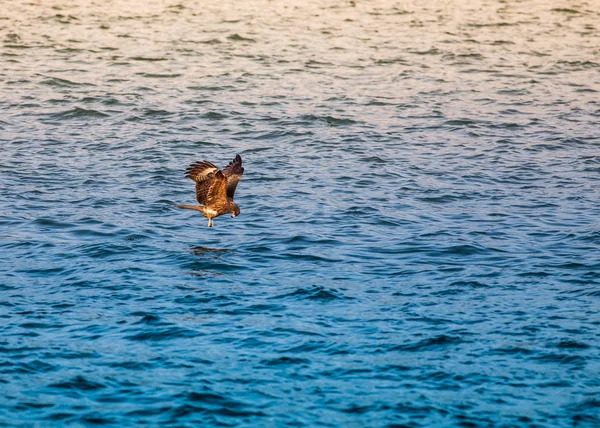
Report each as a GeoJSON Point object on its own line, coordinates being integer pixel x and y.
{"type": "Point", "coordinates": [419, 239]}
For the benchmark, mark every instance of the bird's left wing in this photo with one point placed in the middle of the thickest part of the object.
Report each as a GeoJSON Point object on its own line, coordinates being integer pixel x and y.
{"type": "Point", "coordinates": [203, 173]}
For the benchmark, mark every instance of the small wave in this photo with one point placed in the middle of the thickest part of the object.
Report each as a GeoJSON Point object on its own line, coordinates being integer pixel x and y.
{"type": "Point", "coordinates": [164, 334]}
{"type": "Point", "coordinates": [578, 65]}
{"type": "Point", "coordinates": [461, 122]}
{"type": "Point", "coordinates": [102, 250]}
{"type": "Point", "coordinates": [309, 240]}
{"type": "Point", "coordinates": [512, 350]}
{"type": "Point", "coordinates": [432, 51]}
{"type": "Point", "coordinates": [318, 293]}
{"type": "Point", "coordinates": [307, 257]}
{"type": "Point", "coordinates": [30, 367]}
{"type": "Point", "coordinates": [374, 160]}
{"type": "Point", "coordinates": [136, 237]}
{"type": "Point", "coordinates": [91, 233]}
{"type": "Point", "coordinates": [359, 211]}
{"type": "Point", "coordinates": [213, 115]}
{"type": "Point", "coordinates": [284, 361]}
{"type": "Point", "coordinates": [493, 24]}
{"type": "Point", "coordinates": [561, 358]}
{"type": "Point", "coordinates": [257, 149]}
{"type": "Point", "coordinates": [469, 284]}
{"type": "Point", "coordinates": [79, 383]}
{"type": "Point", "coordinates": [572, 344]}
{"type": "Point", "coordinates": [565, 10]}
{"type": "Point", "coordinates": [55, 224]}
{"type": "Point", "coordinates": [160, 75]}
{"type": "Point", "coordinates": [211, 88]}
{"type": "Point", "coordinates": [96, 419]}
{"type": "Point", "coordinates": [292, 332]}
{"type": "Point", "coordinates": [330, 120]}
{"type": "Point", "coordinates": [70, 50]}
{"type": "Point", "coordinates": [12, 38]}
{"type": "Point", "coordinates": [187, 409]}
{"type": "Point", "coordinates": [149, 59]}
{"type": "Point", "coordinates": [255, 309]}
{"type": "Point", "coordinates": [215, 399]}
{"type": "Point", "coordinates": [12, 46]}
{"type": "Point", "coordinates": [149, 320]}
{"type": "Point", "coordinates": [461, 250]}
{"type": "Point", "coordinates": [157, 113]}
{"type": "Point", "coordinates": [78, 113]}
{"type": "Point", "coordinates": [316, 64]}
{"type": "Point", "coordinates": [199, 300]}
{"type": "Point", "coordinates": [237, 38]}
{"type": "Point", "coordinates": [391, 61]}
{"type": "Point", "coordinates": [443, 199]}
{"type": "Point", "coordinates": [40, 325]}
{"type": "Point", "coordinates": [430, 343]}
{"type": "Point", "coordinates": [62, 83]}
{"type": "Point", "coordinates": [211, 42]}
{"type": "Point", "coordinates": [59, 416]}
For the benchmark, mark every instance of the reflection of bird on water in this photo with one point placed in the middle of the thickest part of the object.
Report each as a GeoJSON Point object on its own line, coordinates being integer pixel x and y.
{"type": "Point", "coordinates": [215, 188]}
{"type": "Point", "coordinates": [209, 263]}
{"type": "Point", "coordinates": [205, 251]}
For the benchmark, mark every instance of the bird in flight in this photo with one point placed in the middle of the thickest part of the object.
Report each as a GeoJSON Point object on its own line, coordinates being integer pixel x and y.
{"type": "Point", "coordinates": [215, 188]}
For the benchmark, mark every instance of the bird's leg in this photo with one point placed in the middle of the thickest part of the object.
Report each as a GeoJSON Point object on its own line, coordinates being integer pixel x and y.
{"type": "Point", "coordinates": [210, 222]}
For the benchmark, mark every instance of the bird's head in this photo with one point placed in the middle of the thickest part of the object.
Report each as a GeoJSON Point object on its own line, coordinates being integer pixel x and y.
{"type": "Point", "coordinates": [235, 211]}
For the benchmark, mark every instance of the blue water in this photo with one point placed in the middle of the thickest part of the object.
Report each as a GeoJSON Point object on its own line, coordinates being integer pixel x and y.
{"type": "Point", "coordinates": [419, 238]}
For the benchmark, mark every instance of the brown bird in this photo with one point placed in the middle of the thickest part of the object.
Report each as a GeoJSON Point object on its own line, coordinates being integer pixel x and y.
{"type": "Point", "coordinates": [215, 188]}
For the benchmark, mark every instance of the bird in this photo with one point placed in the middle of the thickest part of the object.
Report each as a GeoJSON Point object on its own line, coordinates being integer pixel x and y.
{"type": "Point", "coordinates": [215, 188]}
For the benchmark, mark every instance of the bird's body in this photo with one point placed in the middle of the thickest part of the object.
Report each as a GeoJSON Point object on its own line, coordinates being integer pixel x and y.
{"type": "Point", "coordinates": [215, 188]}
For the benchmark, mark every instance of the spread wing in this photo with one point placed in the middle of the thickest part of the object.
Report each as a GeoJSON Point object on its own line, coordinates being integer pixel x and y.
{"type": "Point", "coordinates": [233, 172]}
{"type": "Point", "coordinates": [211, 184]}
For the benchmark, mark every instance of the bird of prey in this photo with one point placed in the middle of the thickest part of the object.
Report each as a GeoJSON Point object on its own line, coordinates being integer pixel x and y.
{"type": "Point", "coordinates": [215, 188]}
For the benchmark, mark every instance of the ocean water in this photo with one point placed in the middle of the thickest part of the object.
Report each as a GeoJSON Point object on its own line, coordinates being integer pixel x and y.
{"type": "Point", "coordinates": [419, 238]}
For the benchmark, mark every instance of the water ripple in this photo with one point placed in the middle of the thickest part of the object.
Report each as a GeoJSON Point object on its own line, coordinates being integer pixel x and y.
{"type": "Point", "coordinates": [418, 237]}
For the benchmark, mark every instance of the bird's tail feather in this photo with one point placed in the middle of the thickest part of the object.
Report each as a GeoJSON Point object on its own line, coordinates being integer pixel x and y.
{"type": "Point", "coordinates": [190, 207]}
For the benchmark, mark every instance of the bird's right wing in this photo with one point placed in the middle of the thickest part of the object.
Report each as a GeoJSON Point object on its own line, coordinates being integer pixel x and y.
{"type": "Point", "coordinates": [233, 172]}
